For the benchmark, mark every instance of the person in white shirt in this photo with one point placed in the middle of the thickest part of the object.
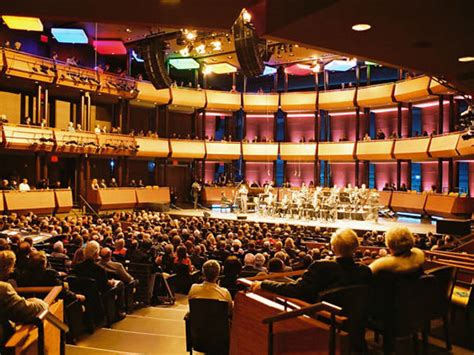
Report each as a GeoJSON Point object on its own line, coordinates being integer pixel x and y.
{"type": "Point", "coordinates": [24, 186]}
{"type": "Point", "coordinates": [209, 289]}
{"type": "Point", "coordinates": [97, 129]}
{"type": "Point", "coordinates": [70, 127]}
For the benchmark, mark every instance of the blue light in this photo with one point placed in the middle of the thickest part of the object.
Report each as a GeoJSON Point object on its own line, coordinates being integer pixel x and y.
{"type": "Point", "coordinates": [340, 65]}
{"type": "Point", "coordinates": [269, 70]}
{"type": "Point", "coordinates": [418, 177]}
{"type": "Point", "coordinates": [112, 164]}
{"type": "Point", "coordinates": [151, 166]}
{"type": "Point", "coordinates": [136, 57]}
{"type": "Point", "coordinates": [70, 35]}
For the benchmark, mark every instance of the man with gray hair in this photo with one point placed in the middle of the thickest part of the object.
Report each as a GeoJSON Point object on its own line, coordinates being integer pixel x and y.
{"type": "Point", "coordinates": [326, 274]}
{"type": "Point", "coordinates": [209, 289]}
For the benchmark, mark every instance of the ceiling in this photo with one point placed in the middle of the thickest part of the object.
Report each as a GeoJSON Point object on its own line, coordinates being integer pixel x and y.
{"type": "Point", "coordinates": [423, 36]}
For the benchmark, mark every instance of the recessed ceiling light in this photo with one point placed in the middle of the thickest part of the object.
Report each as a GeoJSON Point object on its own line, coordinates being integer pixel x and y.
{"type": "Point", "coordinates": [466, 59]}
{"type": "Point", "coordinates": [360, 27]}
{"type": "Point", "coordinates": [128, 30]}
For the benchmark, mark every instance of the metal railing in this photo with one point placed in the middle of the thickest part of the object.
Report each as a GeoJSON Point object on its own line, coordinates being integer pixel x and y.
{"type": "Point", "coordinates": [87, 204]}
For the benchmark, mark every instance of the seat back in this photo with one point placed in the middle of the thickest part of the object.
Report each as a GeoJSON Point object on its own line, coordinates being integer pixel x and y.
{"type": "Point", "coordinates": [354, 301]}
{"type": "Point", "coordinates": [146, 281]}
{"type": "Point", "coordinates": [398, 301]}
{"type": "Point", "coordinates": [58, 264]}
{"type": "Point", "coordinates": [95, 310]}
{"type": "Point", "coordinates": [204, 335]}
{"type": "Point", "coordinates": [440, 300]}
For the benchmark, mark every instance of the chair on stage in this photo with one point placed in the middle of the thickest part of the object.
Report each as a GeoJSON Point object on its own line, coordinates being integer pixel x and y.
{"type": "Point", "coordinates": [210, 337]}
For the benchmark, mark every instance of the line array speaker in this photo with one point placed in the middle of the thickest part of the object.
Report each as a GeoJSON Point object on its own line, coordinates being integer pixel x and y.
{"type": "Point", "coordinates": [153, 52]}
{"type": "Point", "coordinates": [248, 48]}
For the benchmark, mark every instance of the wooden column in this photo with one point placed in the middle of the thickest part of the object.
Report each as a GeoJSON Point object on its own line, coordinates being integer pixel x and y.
{"type": "Point", "coordinates": [440, 115]}
{"type": "Point", "coordinates": [44, 166]}
{"type": "Point", "coordinates": [399, 173]}
{"type": "Point", "coordinates": [439, 187]}
{"type": "Point", "coordinates": [453, 118]}
{"type": "Point", "coordinates": [81, 188]}
{"type": "Point", "coordinates": [357, 124]}
{"type": "Point", "coordinates": [410, 120]}
{"type": "Point", "coordinates": [37, 168]}
{"type": "Point", "coordinates": [120, 163]}
{"type": "Point", "coordinates": [399, 119]}
{"type": "Point", "coordinates": [452, 174]}
{"type": "Point", "coordinates": [87, 180]}
{"type": "Point", "coordinates": [126, 172]}
{"type": "Point", "coordinates": [156, 172]}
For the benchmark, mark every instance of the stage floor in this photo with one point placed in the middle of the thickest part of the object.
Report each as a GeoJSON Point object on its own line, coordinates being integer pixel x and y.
{"type": "Point", "coordinates": [383, 224]}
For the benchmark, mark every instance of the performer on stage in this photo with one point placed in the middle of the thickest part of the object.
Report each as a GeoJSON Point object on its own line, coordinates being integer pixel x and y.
{"type": "Point", "coordinates": [195, 190]}
{"type": "Point", "coordinates": [243, 194]}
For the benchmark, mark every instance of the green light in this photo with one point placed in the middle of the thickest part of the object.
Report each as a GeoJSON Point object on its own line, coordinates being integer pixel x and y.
{"type": "Point", "coordinates": [184, 63]}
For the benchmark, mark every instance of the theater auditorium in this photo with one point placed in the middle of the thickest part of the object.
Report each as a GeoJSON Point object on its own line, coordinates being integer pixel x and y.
{"type": "Point", "coordinates": [241, 177]}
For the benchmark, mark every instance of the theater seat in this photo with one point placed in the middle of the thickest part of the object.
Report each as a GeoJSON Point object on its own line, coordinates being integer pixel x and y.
{"type": "Point", "coordinates": [210, 337]}
{"type": "Point", "coordinates": [461, 296]}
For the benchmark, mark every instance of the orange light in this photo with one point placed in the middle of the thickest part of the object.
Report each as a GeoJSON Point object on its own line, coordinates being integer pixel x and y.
{"type": "Point", "coordinates": [23, 23]}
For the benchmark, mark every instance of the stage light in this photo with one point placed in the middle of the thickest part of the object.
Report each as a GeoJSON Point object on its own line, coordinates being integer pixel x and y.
{"type": "Point", "coordinates": [70, 35]}
{"type": "Point", "coordinates": [23, 23]}
{"type": "Point", "coordinates": [269, 70]}
{"type": "Point", "coordinates": [466, 59]}
{"type": "Point", "coordinates": [184, 63]}
{"type": "Point", "coordinates": [216, 45]}
{"type": "Point", "coordinates": [361, 27]}
{"type": "Point", "coordinates": [246, 16]}
{"type": "Point", "coordinates": [316, 68]}
{"type": "Point", "coordinates": [340, 65]}
{"type": "Point", "coordinates": [201, 49]}
{"type": "Point", "coordinates": [221, 68]}
{"type": "Point", "coordinates": [190, 35]}
{"type": "Point", "coordinates": [110, 47]}
{"type": "Point", "coordinates": [184, 52]}
{"type": "Point", "coordinates": [371, 63]}
{"type": "Point", "coordinates": [206, 70]}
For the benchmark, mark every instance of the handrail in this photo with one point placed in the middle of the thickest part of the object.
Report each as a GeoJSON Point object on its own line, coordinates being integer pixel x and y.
{"type": "Point", "coordinates": [88, 205]}
{"type": "Point", "coordinates": [310, 310]}
{"type": "Point", "coordinates": [54, 321]}
{"type": "Point", "coordinates": [322, 306]}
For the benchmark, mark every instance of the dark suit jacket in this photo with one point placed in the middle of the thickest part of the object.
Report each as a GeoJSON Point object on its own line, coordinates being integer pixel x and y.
{"type": "Point", "coordinates": [321, 276]}
{"type": "Point", "coordinates": [88, 268]}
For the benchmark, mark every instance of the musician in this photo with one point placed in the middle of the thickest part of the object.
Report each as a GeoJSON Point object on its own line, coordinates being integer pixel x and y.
{"type": "Point", "coordinates": [285, 204]}
{"type": "Point", "coordinates": [267, 187]}
{"type": "Point", "coordinates": [304, 189]}
{"type": "Point", "coordinates": [254, 184]}
{"type": "Point", "coordinates": [225, 202]}
{"type": "Point", "coordinates": [243, 194]}
{"type": "Point", "coordinates": [195, 190]}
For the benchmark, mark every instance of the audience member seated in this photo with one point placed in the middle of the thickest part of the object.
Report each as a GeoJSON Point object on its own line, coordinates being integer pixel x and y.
{"type": "Point", "coordinates": [13, 307]}
{"type": "Point", "coordinates": [249, 268]}
{"type": "Point", "coordinates": [112, 267]}
{"type": "Point", "coordinates": [404, 258]}
{"type": "Point", "coordinates": [209, 288]}
{"type": "Point", "coordinates": [24, 186]}
{"type": "Point", "coordinates": [231, 272]}
{"type": "Point", "coordinates": [324, 275]}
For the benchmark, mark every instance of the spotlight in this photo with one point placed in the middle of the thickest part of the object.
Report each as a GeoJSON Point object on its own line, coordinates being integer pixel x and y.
{"type": "Point", "coordinates": [217, 45]}
{"type": "Point", "coordinates": [190, 35]}
{"type": "Point", "coordinates": [361, 27]}
{"type": "Point", "coordinates": [466, 59]}
{"type": "Point", "coordinates": [184, 52]}
{"type": "Point", "coordinates": [316, 68]}
{"type": "Point", "coordinates": [246, 16]}
{"type": "Point", "coordinates": [201, 49]}
{"type": "Point", "coordinates": [206, 70]}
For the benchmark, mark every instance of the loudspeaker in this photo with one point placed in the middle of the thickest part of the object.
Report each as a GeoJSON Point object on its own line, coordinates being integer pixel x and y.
{"type": "Point", "coordinates": [153, 52]}
{"type": "Point", "coordinates": [241, 217]}
{"type": "Point", "coordinates": [249, 51]}
{"type": "Point", "coordinates": [206, 214]}
{"type": "Point", "coordinates": [453, 226]}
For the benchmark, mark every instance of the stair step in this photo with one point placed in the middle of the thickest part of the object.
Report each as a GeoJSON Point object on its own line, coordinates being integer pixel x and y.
{"type": "Point", "coordinates": [135, 342]}
{"type": "Point", "coordinates": [152, 325]}
{"type": "Point", "coordinates": [162, 313]}
{"type": "Point", "coordinates": [84, 350]}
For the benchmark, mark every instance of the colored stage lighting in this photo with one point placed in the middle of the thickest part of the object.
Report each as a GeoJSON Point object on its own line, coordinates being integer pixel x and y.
{"type": "Point", "coordinates": [23, 23]}
{"type": "Point", "coordinates": [221, 68]}
{"type": "Point", "coordinates": [341, 65]}
{"type": "Point", "coordinates": [70, 35]}
{"type": "Point", "coordinates": [184, 63]}
{"type": "Point", "coordinates": [269, 70]}
{"type": "Point", "coordinates": [110, 47]}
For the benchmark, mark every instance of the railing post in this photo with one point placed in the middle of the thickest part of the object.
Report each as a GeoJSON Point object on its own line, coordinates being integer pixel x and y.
{"type": "Point", "coordinates": [270, 338]}
{"type": "Point", "coordinates": [40, 325]}
{"type": "Point", "coordinates": [332, 335]}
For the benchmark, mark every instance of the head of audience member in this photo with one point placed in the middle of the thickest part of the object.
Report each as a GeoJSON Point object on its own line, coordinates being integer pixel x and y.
{"type": "Point", "coordinates": [211, 270]}
{"type": "Point", "coordinates": [259, 260]}
{"type": "Point", "coordinates": [232, 266]}
{"type": "Point", "coordinates": [38, 261]}
{"type": "Point", "coordinates": [105, 254]}
{"type": "Point", "coordinates": [275, 265]}
{"type": "Point", "coordinates": [7, 264]}
{"type": "Point", "coordinates": [249, 259]}
{"type": "Point", "coordinates": [399, 240]}
{"type": "Point", "coordinates": [91, 251]}
{"type": "Point", "coordinates": [344, 242]}
{"type": "Point", "coordinates": [58, 247]}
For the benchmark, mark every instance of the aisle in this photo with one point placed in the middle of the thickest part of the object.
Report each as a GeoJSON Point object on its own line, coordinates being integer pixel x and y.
{"type": "Point", "coordinates": [152, 330]}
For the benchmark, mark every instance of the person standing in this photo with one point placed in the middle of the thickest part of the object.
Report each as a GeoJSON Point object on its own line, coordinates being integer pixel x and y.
{"type": "Point", "coordinates": [195, 190]}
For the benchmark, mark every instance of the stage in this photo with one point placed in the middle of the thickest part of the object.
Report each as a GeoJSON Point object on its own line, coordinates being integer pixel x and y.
{"type": "Point", "coordinates": [414, 224]}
